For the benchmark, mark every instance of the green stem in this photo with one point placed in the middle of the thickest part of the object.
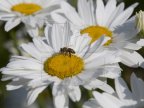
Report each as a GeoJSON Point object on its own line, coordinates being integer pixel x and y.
{"type": "Point", "coordinates": [89, 92]}
{"type": "Point", "coordinates": [15, 41]}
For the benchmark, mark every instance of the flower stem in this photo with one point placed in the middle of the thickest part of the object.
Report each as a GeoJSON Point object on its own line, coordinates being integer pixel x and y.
{"type": "Point", "coordinates": [15, 41]}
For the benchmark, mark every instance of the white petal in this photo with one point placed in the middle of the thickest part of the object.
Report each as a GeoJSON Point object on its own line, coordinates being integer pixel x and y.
{"type": "Point", "coordinates": [112, 71]}
{"type": "Point", "coordinates": [141, 42]}
{"type": "Point", "coordinates": [99, 84]}
{"type": "Point", "coordinates": [129, 32]}
{"type": "Point", "coordinates": [114, 15]}
{"type": "Point", "coordinates": [107, 101]}
{"type": "Point", "coordinates": [33, 94]}
{"type": "Point", "coordinates": [33, 32]}
{"type": "Point", "coordinates": [102, 58]}
{"type": "Point", "coordinates": [132, 59]}
{"type": "Point", "coordinates": [71, 14]}
{"type": "Point", "coordinates": [42, 46]}
{"type": "Point", "coordinates": [74, 93]}
{"type": "Point", "coordinates": [99, 12]}
{"type": "Point", "coordinates": [66, 35]}
{"type": "Point", "coordinates": [132, 46]}
{"type": "Point", "coordinates": [123, 17]}
{"type": "Point", "coordinates": [85, 11]}
{"type": "Point", "coordinates": [58, 18]}
{"type": "Point", "coordinates": [79, 43]}
{"type": "Point", "coordinates": [12, 23]}
{"type": "Point", "coordinates": [31, 49]}
{"type": "Point", "coordinates": [92, 103]}
{"type": "Point", "coordinates": [30, 20]}
{"type": "Point", "coordinates": [109, 9]}
{"type": "Point", "coordinates": [25, 64]}
{"type": "Point", "coordinates": [87, 75]}
{"type": "Point", "coordinates": [56, 37]}
{"type": "Point", "coordinates": [13, 87]}
{"type": "Point", "coordinates": [7, 16]}
{"type": "Point", "coordinates": [122, 89]}
{"type": "Point", "coordinates": [137, 86]}
{"type": "Point", "coordinates": [61, 101]}
{"type": "Point", "coordinates": [94, 47]}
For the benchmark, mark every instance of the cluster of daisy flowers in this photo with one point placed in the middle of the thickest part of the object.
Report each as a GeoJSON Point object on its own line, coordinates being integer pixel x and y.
{"type": "Point", "coordinates": [78, 48]}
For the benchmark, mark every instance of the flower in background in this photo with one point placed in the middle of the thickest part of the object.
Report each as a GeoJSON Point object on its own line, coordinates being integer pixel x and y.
{"type": "Point", "coordinates": [104, 18]}
{"type": "Point", "coordinates": [140, 21]}
{"type": "Point", "coordinates": [140, 26]}
{"type": "Point", "coordinates": [124, 98]}
{"type": "Point", "coordinates": [64, 61]}
{"type": "Point", "coordinates": [127, 43]}
{"type": "Point", "coordinates": [33, 13]}
{"type": "Point", "coordinates": [110, 20]}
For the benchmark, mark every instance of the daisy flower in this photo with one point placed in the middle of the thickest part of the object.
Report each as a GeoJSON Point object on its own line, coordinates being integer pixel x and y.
{"type": "Point", "coordinates": [88, 18]}
{"type": "Point", "coordinates": [64, 61]}
{"type": "Point", "coordinates": [124, 98]}
{"type": "Point", "coordinates": [30, 12]}
{"type": "Point", "coordinates": [110, 20]}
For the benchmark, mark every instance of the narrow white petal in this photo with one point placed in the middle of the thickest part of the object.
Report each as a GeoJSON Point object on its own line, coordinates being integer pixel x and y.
{"type": "Point", "coordinates": [137, 86]}
{"type": "Point", "coordinates": [132, 59]}
{"type": "Point", "coordinates": [132, 46]}
{"type": "Point", "coordinates": [71, 14]}
{"type": "Point", "coordinates": [33, 94]}
{"type": "Point", "coordinates": [13, 87]}
{"type": "Point", "coordinates": [129, 31]}
{"type": "Point", "coordinates": [85, 11]}
{"type": "Point", "coordinates": [58, 18]}
{"type": "Point", "coordinates": [95, 46]}
{"type": "Point", "coordinates": [99, 84]}
{"type": "Point", "coordinates": [61, 101]}
{"type": "Point", "coordinates": [92, 103]}
{"type": "Point", "coordinates": [117, 11]}
{"type": "Point", "coordinates": [42, 46]}
{"type": "Point", "coordinates": [105, 102]}
{"type": "Point", "coordinates": [141, 42]}
{"type": "Point", "coordinates": [123, 17]}
{"type": "Point", "coordinates": [31, 49]}
{"type": "Point", "coordinates": [109, 9]}
{"type": "Point", "coordinates": [56, 37]}
{"type": "Point", "coordinates": [122, 89]}
{"type": "Point", "coordinates": [74, 93]}
{"type": "Point", "coordinates": [12, 23]}
{"type": "Point", "coordinates": [99, 12]}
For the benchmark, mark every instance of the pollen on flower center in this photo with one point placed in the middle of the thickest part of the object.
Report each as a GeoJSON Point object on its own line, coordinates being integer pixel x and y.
{"type": "Point", "coordinates": [95, 32]}
{"type": "Point", "coordinates": [26, 8]}
{"type": "Point", "coordinates": [63, 66]}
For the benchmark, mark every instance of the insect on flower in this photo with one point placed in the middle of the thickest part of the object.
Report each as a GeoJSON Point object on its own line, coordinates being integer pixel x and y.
{"type": "Point", "coordinates": [67, 51]}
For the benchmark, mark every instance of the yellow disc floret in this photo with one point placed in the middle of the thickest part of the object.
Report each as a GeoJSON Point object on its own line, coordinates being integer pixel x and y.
{"type": "Point", "coordinates": [26, 8]}
{"type": "Point", "coordinates": [63, 66]}
{"type": "Point", "coordinates": [95, 32]}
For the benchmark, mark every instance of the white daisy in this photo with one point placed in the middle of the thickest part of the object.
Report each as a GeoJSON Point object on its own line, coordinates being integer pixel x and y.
{"type": "Point", "coordinates": [31, 12]}
{"type": "Point", "coordinates": [66, 69]}
{"type": "Point", "coordinates": [126, 42]}
{"type": "Point", "coordinates": [104, 17]}
{"type": "Point", "coordinates": [124, 98]}
{"type": "Point", "coordinates": [110, 20]}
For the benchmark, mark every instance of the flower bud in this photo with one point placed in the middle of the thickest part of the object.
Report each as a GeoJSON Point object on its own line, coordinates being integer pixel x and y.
{"type": "Point", "coordinates": [140, 21]}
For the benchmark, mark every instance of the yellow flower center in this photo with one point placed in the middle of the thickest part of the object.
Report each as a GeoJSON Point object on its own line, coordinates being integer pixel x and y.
{"type": "Point", "coordinates": [26, 8]}
{"type": "Point", "coordinates": [95, 32]}
{"type": "Point", "coordinates": [63, 66]}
